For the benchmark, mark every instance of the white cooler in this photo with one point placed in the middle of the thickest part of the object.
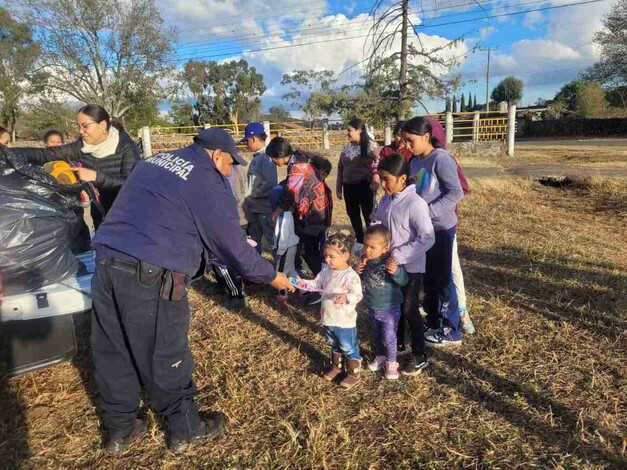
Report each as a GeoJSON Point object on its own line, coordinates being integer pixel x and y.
{"type": "Point", "coordinates": [37, 328]}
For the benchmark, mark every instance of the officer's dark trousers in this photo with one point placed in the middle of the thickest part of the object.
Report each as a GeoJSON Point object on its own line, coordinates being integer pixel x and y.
{"type": "Point", "coordinates": [137, 338]}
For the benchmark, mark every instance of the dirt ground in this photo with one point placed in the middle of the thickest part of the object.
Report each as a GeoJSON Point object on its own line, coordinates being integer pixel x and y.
{"type": "Point", "coordinates": [542, 384]}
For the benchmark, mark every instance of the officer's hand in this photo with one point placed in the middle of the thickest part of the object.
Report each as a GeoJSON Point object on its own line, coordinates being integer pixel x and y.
{"type": "Point", "coordinates": [281, 282]}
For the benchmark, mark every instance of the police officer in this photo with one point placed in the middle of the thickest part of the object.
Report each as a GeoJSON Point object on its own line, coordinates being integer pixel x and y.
{"type": "Point", "coordinates": [172, 208]}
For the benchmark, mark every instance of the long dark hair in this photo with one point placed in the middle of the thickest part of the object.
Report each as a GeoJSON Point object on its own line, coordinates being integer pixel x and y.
{"type": "Point", "coordinates": [421, 126]}
{"type": "Point", "coordinates": [364, 140]}
{"type": "Point", "coordinates": [279, 147]}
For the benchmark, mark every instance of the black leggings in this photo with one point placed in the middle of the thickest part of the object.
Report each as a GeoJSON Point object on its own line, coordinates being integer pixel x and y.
{"type": "Point", "coordinates": [359, 201]}
{"type": "Point", "coordinates": [410, 312]}
{"type": "Point", "coordinates": [311, 248]}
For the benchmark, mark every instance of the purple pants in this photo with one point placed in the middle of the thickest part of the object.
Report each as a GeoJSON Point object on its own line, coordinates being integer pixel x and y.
{"type": "Point", "coordinates": [384, 326]}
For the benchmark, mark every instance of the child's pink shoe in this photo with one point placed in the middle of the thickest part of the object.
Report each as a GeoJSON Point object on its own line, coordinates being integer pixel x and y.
{"type": "Point", "coordinates": [377, 364]}
{"type": "Point", "coordinates": [391, 370]}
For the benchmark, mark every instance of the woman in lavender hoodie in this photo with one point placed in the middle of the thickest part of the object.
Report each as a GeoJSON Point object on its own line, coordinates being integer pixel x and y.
{"type": "Point", "coordinates": [438, 184]}
{"type": "Point", "coordinates": [406, 216]}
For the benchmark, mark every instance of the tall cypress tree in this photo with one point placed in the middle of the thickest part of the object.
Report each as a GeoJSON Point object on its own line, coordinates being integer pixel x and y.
{"type": "Point", "coordinates": [462, 103]}
{"type": "Point", "coordinates": [474, 105]}
{"type": "Point", "coordinates": [454, 104]}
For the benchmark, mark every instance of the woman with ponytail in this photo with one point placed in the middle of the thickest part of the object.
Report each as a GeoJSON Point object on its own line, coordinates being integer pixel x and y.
{"type": "Point", "coordinates": [354, 175]}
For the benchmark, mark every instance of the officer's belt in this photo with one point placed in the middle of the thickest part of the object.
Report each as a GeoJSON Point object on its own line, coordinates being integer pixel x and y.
{"type": "Point", "coordinates": [126, 266]}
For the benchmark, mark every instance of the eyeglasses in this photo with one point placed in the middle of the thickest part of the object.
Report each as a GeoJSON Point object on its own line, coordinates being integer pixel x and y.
{"type": "Point", "coordinates": [84, 125]}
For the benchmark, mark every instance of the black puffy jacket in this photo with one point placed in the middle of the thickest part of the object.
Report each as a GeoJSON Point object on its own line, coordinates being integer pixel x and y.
{"type": "Point", "coordinates": [111, 171]}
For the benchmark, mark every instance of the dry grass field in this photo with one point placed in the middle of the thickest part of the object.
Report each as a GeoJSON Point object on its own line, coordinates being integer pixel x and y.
{"type": "Point", "coordinates": [542, 384]}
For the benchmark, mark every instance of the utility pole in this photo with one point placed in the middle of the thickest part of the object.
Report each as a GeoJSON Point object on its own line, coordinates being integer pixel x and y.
{"type": "Point", "coordinates": [402, 78]}
{"type": "Point", "coordinates": [487, 78]}
{"type": "Point", "coordinates": [487, 84]}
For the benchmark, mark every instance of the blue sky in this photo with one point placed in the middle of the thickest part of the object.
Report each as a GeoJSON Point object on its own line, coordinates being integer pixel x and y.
{"type": "Point", "coordinates": [544, 48]}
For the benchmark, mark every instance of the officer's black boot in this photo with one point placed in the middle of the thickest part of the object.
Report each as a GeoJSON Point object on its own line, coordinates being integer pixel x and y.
{"type": "Point", "coordinates": [208, 429]}
{"type": "Point", "coordinates": [118, 444]}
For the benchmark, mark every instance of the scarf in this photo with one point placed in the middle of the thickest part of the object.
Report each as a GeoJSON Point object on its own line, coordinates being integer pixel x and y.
{"type": "Point", "coordinates": [105, 148]}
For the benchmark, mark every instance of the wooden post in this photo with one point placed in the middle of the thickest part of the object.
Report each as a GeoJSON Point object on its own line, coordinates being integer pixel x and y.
{"type": "Point", "coordinates": [475, 126]}
{"type": "Point", "coordinates": [511, 130]}
{"type": "Point", "coordinates": [326, 145]}
{"type": "Point", "coordinates": [266, 129]}
{"type": "Point", "coordinates": [449, 127]}
{"type": "Point", "coordinates": [146, 144]}
{"type": "Point", "coordinates": [387, 135]}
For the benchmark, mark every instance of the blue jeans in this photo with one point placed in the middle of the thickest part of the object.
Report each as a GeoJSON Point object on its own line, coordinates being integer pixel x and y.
{"type": "Point", "coordinates": [343, 340]}
{"type": "Point", "coordinates": [260, 225]}
{"type": "Point", "coordinates": [440, 300]}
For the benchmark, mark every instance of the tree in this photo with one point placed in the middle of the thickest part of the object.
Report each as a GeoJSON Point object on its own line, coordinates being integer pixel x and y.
{"type": "Point", "coordinates": [509, 89]}
{"type": "Point", "coordinates": [447, 108]}
{"type": "Point", "coordinates": [19, 75]}
{"type": "Point", "coordinates": [308, 89]}
{"type": "Point", "coordinates": [454, 104]}
{"type": "Point", "coordinates": [567, 95]}
{"type": "Point", "coordinates": [462, 104]}
{"type": "Point", "coordinates": [99, 52]}
{"type": "Point", "coordinates": [49, 114]}
{"type": "Point", "coordinates": [278, 114]}
{"type": "Point", "coordinates": [422, 72]}
{"type": "Point", "coordinates": [590, 101]}
{"type": "Point", "coordinates": [474, 104]}
{"type": "Point", "coordinates": [219, 93]}
{"type": "Point", "coordinates": [617, 96]}
{"type": "Point", "coordinates": [585, 99]}
{"type": "Point", "coordinates": [611, 70]}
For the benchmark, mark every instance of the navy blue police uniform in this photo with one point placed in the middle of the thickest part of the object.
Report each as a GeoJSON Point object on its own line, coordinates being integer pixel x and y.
{"type": "Point", "coordinates": [172, 208]}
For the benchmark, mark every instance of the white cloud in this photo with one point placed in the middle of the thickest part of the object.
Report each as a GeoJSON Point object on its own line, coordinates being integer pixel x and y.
{"type": "Point", "coordinates": [486, 32]}
{"type": "Point", "coordinates": [532, 19]}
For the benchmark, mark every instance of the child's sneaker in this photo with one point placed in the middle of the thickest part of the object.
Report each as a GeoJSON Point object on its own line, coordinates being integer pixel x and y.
{"type": "Point", "coordinates": [391, 371]}
{"type": "Point", "coordinates": [441, 339]}
{"type": "Point", "coordinates": [466, 323]}
{"type": "Point", "coordinates": [377, 364]}
{"type": "Point", "coordinates": [414, 365]}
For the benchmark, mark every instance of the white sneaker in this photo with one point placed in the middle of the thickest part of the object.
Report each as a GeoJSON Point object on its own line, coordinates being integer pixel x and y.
{"type": "Point", "coordinates": [377, 364]}
{"type": "Point", "coordinates": [441, 339]}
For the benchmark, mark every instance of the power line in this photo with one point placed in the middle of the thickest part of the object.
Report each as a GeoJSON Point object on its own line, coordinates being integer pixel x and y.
{"type": "Point", "coordinates": [194, 44]}
{"type": "Point", "coordinates": [352, 28]}
{"type": "Point", "coordinates": [217, 55]}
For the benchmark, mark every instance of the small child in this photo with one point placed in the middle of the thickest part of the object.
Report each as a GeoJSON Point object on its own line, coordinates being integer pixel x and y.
{"type": "Point", "coordinates": [382, 279]}
{"type": "Point", "coordinates": [285, 241]}
{"type": "Point", "coordinates": [341, 292]}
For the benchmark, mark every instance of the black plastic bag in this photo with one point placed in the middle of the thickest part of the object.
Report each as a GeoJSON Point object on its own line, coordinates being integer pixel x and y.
{"type": "Point", "coordinates": [39, 222]}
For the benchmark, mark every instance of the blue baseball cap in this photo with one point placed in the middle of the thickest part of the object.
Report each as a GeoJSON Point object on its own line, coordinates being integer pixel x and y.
{"type": "Point", "coordinates": [215, 138]}
{"type": "Point", "coordinates": [252, 129]}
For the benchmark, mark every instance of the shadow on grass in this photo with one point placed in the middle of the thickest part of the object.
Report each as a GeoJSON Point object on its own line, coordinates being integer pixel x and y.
{"type": "Point", "coordinates": [552, 299]}
{"type": "Point", "coordinates": [14, 448]}
{"type": "Point", "coordinates": [207, 289]}
{"type": "Point", "coordinates": [565, 435]}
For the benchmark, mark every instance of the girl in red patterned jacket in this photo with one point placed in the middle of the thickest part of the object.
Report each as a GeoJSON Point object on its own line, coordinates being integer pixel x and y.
{"type": "Point", "coordinates": [305, 194]}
